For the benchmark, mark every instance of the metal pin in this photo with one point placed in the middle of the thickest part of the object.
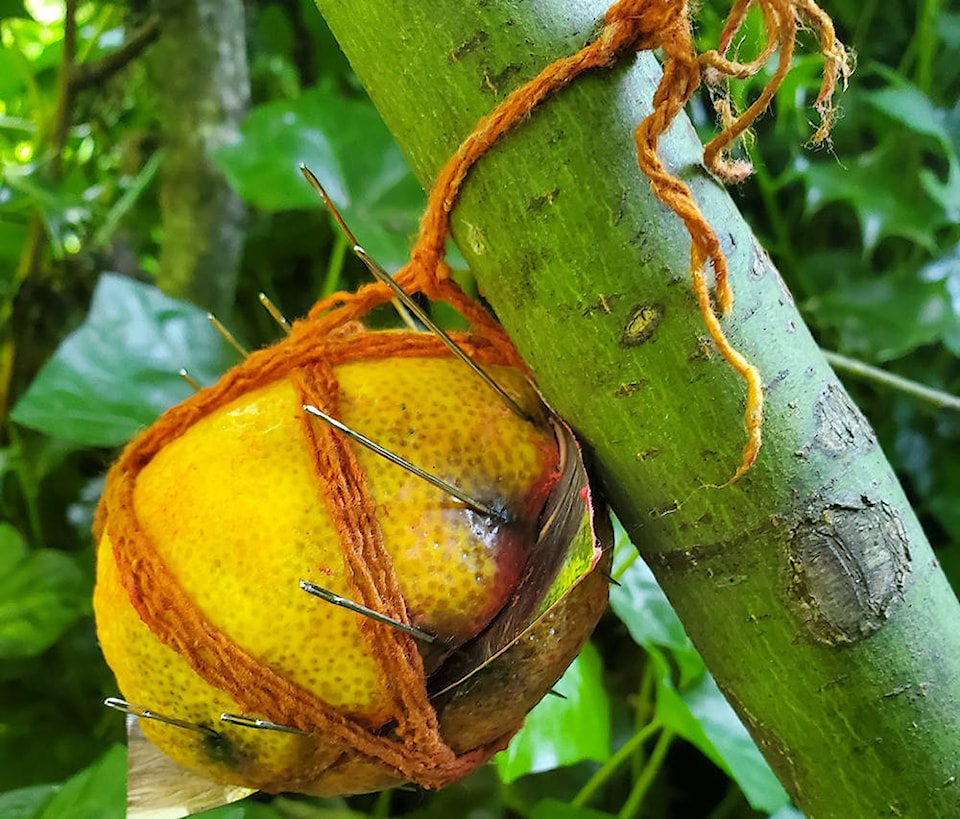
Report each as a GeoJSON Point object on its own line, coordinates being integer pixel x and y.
{"type": "Point", "coordinates": [343, 602]}
{"type": "Point", "coordinates": [381, 275]}
{"type": "Point", "coordinates": [458, 493]}
{"type": "Point", "coordinates": [274, 312]}
{"type": "Point", "coordinates": [404, 314]}
{"type": "Point", "coordinates": [227, 335]}
{"type": "Point", "coordinates": [328, 203]}
{"type": "Point", "coordinates": [189, 379]}
{"type": "Point", "coordinates": [261, 724]}
{"type": "Point", "coordinates": [145, 713]}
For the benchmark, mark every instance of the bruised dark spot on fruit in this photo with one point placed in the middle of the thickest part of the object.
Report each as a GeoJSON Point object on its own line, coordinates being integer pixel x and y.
{"type": "Point", "coordinates": [642, 324]}
{"type": "Point", "coordinates": [219, 748]}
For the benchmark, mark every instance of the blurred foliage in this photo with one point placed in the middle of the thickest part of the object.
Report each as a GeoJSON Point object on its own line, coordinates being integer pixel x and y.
{"type": "Point", "coordinates": [866, 233]}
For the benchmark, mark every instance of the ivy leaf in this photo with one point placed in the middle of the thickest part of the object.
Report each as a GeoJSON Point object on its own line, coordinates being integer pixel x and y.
{"type": "Point", "coordinates": [285, 808]}
{"type": "Point", "coordinates": [640, 603]}
{"type": "Point", "coordinates": [643, 608]}
{"type": "Point", "coordinates": [563, 730]}
{"type": "Point", "coordinates": [97, 792]}
{"type": "Point", "coordinates": [885, 197]}
{"type": "Point", "coordinates": [118, 371]}
{"type": "Point", "coordinates": [233, 812]}
{"type": "Point", "coordinates": [787, 812]}
{"type": "Point", "coordinates": [12, 548]}
{"type": "Point", "coordinates": [946, 269]}
{"type": "Point", "coordinates": [345, 143]}
{"type": "Point", "coordinates": [26, 803]}
{"type": "Point", "coordinates": [700, 714]}
{"type": "Point", "coordinates": [477, 795]}
{"type": "Point", "coordinates": [13, 8]}
{"type": "Point", "coordinates": [42, 593]}
{"type": "Point", "coordinates": [698, 711]}
{"type": "Point", "coordinates": [887, 317]}
{"type": "Point", "coordinates": [908, 106]}
{"type": "Point", "coordinates": [11, 80]}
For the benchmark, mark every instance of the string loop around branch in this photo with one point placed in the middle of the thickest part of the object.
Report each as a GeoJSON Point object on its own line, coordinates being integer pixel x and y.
{"type": "Point", "coordinates": [630, 26]}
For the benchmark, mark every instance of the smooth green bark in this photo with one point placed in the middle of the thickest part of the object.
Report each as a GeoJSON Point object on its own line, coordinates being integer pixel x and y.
{"type": "Point", "coordinates": [808, 586]}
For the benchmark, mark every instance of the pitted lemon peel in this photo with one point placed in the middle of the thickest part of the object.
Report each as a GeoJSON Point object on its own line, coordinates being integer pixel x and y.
{"type": "Point", "coordinates": [308, 357]}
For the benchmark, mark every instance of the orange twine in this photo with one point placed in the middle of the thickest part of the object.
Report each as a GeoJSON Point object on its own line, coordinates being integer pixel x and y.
{"type": "Point", "coordinates": [630, 26]}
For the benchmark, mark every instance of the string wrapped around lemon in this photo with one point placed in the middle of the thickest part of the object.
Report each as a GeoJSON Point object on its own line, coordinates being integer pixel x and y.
{"type": "Point", "coordinates": [216, 519]}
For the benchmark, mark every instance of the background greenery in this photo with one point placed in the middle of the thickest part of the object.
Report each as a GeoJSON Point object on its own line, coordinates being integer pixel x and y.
{"type": "Point", "coordinates": [867, 235]}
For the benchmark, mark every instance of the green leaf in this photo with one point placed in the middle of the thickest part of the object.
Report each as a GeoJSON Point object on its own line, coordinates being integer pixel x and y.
{"type": "Point", "coordinates": [274, 32]}
{"type": "Point", "coordinates": [283, 807]}
{"type": "Point", "coordinates": [26, 803]}
{"type": "Point", "coordinates": [925, 447]}
{"type": "Point", "coordinates": [887, 317]}
{"type": "Point", "coordinates": [478, 795]}
{"type": "Point", "coordinates": [228, 812]}
{"type": "Point", "coordinates": [118, 371]}
{"type": "Point", "coordinates": [946, 268]}
{"type": "Point", "coordinates": [12, 237]}
{"type": "Point", "coordinates": [643, 608]}
{"type": "Point", "coordinates": [555, 809]}
{"type": "Point", "coordinates": [345, 143]}
{"type": "Point", "coordinates": [98, 792]}
{"type": "Point", "coordinates": [787, 812]}
{"type": "Point", "coordinates": [913, 110]}
{"type": "Point", "coordinates": [741, 758]}
{"type": "Point", "coordinates": [41, 596]}
{"type": "Point", "coordinates": [640, 603]}
{"type": "Point", "coordinates": [702, 716]}
{"type": "Point", "coordinates": [886, 198]}
{"type": "Point", "coordinates": [12, 548]}
{"type": "Point", "coordinates": [12, 8]}
{"type": "Point", "coordinates": [563, 731]}
{"type": "Point", "coordinates": [910, 107]}
{"type": "Point", "coordinates": [11, 79]}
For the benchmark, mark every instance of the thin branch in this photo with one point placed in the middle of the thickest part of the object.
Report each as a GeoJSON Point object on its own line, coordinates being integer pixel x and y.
{"type": "Point", "coordinates": [634, 801]}
{"type": "Point", "coordinates": [97, 72]}
{"type": "Point", "coordinates": [913, 388]}
{"type": "Point", "coordinates": [599, 779]}
{"type": "Point", "coordinates": [62, 116]}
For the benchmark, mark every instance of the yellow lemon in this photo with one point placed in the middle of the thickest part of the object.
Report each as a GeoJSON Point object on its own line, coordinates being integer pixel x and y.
{"type": "Point", "coordinates": [212, 519]}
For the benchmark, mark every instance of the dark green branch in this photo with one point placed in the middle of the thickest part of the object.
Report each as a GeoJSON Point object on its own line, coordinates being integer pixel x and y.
{"type": "Point", "coordinates": [95, 73]}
